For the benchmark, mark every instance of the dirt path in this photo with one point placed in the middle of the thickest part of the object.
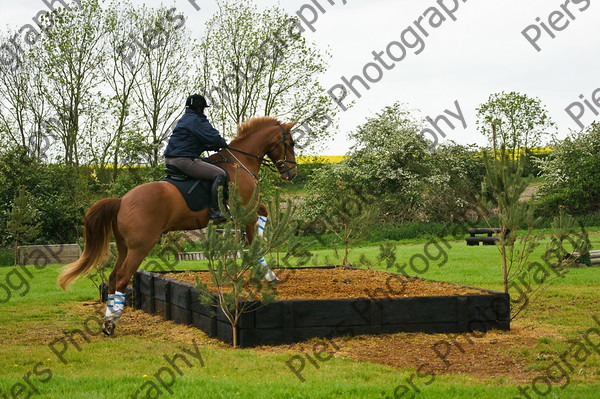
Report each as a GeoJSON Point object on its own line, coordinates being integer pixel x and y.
{"type": "Point", "coordinates": [530, 191]}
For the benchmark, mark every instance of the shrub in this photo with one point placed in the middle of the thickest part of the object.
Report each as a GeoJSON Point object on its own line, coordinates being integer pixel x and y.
{"type": "Point", "coordinates": [60, 195]}
{"type": "Point", "coordinates": [572, 175]}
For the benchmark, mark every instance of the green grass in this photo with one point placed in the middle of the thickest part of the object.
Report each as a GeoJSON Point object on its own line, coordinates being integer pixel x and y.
{"type": "Point", "coordinates": [117, 367]}
{"type": "Point", "coordinates": [418, 232]}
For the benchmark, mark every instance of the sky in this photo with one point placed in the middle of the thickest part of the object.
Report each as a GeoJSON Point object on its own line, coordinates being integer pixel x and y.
{"type": "Point", "coordinates": [467, 55]}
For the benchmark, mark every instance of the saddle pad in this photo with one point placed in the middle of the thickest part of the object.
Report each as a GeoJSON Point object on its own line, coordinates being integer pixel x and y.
{"type": "Point", "coordinates": [199, 197]}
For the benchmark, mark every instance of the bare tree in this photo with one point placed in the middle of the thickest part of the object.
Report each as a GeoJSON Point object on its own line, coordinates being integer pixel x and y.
{"type": "Point", "coordinates": [14, 118]}
{"type": "Point", "coordinates": [257, 63]}
{"type": "Point", "coordinates": [71, 54]}
{"type": "Point", "coordinates": [120, 72]}
{"type": "Point", "coordinates": [23, 109]}
{"type": "Point", "coordinates": [165, 48]}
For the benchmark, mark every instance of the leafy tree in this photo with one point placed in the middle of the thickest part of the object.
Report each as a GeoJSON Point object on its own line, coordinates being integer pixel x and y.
{"type": "Point", "coordinates": [521, 122]}
{"type": "Point", "coordinates": [390, 133]}
{"type": "Point", "coordinates": [256, 63]}
{"type": "Point", "coordinates": [21, 221]}
{"type": "Point", "coordinates": [91, 75]}
{"type": "Point", "coordinates": [391, 161]}
{"type": "Point", "coordinates": [339, 204]}
{"type": "Point", "coordinates": [128, 178]}
{"type": "Point", "coordinates": [14, 83]}
{"type": "Point", "coordinates": [323, 188]}
{"type": "Point", "coordinates": [571, 174]}
{"type": "Point", "coordinates": [17, 170]}
{"type": "Point", "coordinates": [60, 195]}
{"type": "Point", "coordinates": [456, 175]}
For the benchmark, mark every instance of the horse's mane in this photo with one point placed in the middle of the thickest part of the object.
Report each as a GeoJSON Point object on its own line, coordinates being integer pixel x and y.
{"type": "Point", "coordinates": [254, 125]}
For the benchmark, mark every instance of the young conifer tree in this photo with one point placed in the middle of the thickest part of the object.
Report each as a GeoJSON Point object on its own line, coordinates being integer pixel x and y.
{"type": "Point", "coordinates": [348, 218]}
{"type": "Point", "coordinates": [505, 184]}
{"type": "Point", "coordinates": [237, 284]}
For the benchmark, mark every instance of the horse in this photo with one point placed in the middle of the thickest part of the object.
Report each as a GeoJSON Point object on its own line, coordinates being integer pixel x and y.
{"type": "Point", "coordinates": [138, 219]}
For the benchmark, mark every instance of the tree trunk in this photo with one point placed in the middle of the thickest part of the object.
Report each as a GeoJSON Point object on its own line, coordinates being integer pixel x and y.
{"type": "Point", "coordinates": [504, 270]}
{"type": "Point", "coordinates": [16, 249]}
{"type": "Point", "coordinates": [235, 335]}
{"type": "Point", "coordinates": [346, 243]}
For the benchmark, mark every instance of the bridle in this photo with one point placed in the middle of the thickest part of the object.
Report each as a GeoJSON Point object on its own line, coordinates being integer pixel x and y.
{"type": "Point", "coordinates": [274, 166]}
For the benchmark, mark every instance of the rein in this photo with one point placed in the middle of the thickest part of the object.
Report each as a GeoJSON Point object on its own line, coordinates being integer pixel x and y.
{"type": "Point", "coordinates": [240, 162]}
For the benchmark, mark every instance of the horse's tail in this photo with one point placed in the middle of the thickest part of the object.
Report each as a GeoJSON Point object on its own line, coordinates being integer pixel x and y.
{"type": "Point", "coordinates": [98, 224]}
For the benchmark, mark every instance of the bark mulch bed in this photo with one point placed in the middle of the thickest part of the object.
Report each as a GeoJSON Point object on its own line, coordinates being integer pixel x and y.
{"type": "Point", "coordinates": [483, 356]}
{"type": "Point", "coordinates": [343, 283]}
{"type": "Point", "coordinates": [493, 355]}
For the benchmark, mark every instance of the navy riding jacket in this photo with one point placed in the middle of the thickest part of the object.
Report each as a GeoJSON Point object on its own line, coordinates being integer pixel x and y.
{"type": "Point", "coordinates": [193, 135]}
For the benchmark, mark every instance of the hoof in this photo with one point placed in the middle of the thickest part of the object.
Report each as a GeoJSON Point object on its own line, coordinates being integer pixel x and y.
{"type": "Point", "coordinates": [108, 328]}
{"type": "Point", "coordinates": [270, 277]}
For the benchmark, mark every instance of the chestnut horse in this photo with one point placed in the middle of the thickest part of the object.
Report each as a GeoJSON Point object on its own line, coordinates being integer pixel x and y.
{"type": "Point", "coordinates": [139, 218]}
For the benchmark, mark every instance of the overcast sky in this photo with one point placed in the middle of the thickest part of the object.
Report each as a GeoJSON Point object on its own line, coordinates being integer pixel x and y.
{"type": "Point", "coordinates": [482, 52]}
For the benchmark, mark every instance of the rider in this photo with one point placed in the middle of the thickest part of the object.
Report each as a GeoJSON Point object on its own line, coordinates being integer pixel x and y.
{"type": "Point", "coordinates": [193, 135]}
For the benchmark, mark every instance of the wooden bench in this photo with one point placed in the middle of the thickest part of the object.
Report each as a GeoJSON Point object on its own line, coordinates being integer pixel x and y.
{"type": "Point", "coordinates": [182, 256]}
{"type": "Point", "coordinates": [48, 254]}
{"type": "Point", "coordinates": [488, 239]}
{"type": "Point", "coordinates": [195, 256]}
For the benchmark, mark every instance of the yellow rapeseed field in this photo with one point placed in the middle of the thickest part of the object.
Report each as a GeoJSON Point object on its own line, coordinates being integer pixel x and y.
{"type": "Point", "coordinates": [320, 159]}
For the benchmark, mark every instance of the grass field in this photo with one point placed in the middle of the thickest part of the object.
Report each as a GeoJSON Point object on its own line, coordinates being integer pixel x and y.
{"type": "Point", "coordinates": [40, 325]}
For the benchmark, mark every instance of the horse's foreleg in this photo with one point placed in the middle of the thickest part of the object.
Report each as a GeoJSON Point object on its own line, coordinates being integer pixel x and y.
{"type": "Point", "coordinates": [261, 221]}
{"type": "Point", "coordinates": [112, 280]}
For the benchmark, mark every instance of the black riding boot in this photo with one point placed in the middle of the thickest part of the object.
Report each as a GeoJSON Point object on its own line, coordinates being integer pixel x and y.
{"type": "Point", "coordinates": [215, 213]}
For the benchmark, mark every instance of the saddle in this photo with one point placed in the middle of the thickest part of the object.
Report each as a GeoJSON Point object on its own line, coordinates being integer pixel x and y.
{"type": "Point", "coordinates": [195, 192]}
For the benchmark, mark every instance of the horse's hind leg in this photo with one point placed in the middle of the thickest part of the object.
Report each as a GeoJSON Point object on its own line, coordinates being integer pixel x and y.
{"type": "Point", "coordinates": [132, 262]}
